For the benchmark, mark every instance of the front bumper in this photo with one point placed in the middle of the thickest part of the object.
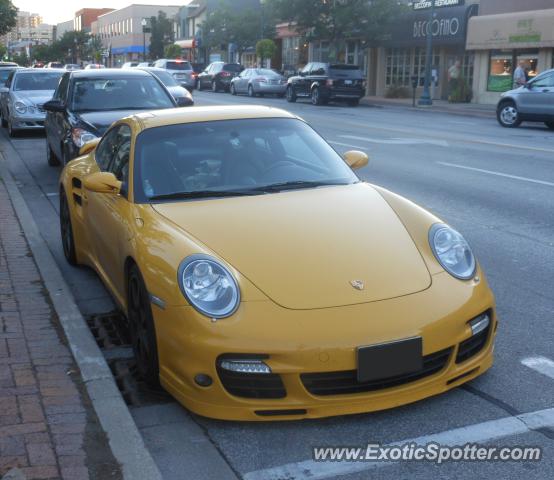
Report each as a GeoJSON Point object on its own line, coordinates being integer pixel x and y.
{"type": "Point", "coordinates": [28, 121]}
{"type": "Point", "coordinates": [317, 341]}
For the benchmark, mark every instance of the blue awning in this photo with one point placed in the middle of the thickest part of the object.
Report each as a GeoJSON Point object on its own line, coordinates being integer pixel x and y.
{"type": "Point", "coordinates": [129, 49]}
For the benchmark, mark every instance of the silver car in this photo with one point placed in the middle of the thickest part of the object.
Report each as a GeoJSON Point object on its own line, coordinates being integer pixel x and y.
{"type": "Point", "coordinates": [259, 81]}
{"type": "Point", "coordinates": [23, 97]}
{"type": "Point", "coordinates": [180, 69]}
{"type": "Point", "coordinates": [181, 95]}
{"type": "Point", "coordinates": [533, 102]}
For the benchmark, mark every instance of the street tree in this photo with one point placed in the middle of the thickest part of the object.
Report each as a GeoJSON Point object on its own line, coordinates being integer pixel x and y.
{"type": "Point", "coordinates": [338, 20]}
{"type": "Point", "coordinates": [265, 49]}
{"type": "Point", "coordinates": [161, 34]}
{"type": "Point", "coordinates": [172, 51]}
{"type": "Point", "coordinates": [8, 16]}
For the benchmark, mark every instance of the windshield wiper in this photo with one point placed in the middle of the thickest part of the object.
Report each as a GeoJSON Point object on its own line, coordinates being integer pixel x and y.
{"type": "Point", "coordinates": [278, 187]}
{"type": "Point", "coordinates": [205, 194]}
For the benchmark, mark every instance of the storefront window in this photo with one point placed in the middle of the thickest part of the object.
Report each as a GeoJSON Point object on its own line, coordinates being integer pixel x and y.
{"type": "Point", "coordinates": [503, 64]}
{"type": "Point", "coordinates": [420, 57]}
{"type": "Point", "coordinates": [398, 67]}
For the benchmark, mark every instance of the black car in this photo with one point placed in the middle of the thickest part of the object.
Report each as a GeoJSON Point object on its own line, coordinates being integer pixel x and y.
{"type": "Point", "coordinates": [324, 82]}
{"type": "Point", "coordinates": [218, 76]}
{"type": "Point", "coordinates": [87, 102]}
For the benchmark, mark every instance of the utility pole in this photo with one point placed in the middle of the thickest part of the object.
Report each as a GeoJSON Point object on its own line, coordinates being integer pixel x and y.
{"type": "Point", "coordinates": [425, 98]}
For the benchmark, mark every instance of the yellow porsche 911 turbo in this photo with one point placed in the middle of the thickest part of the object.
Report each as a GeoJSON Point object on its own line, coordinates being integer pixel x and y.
{"type": "Point", "coordinates": [261, 279]}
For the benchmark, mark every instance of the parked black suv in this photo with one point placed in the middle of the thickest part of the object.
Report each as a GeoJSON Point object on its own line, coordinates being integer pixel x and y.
{"type": "Point", "coordinates": [218, 76]}
{"type": "Point", "coordinates": [324, 82]}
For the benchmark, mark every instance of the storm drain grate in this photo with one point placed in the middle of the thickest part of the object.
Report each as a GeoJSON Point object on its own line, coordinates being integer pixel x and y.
{"type": "Point", "coordinates": [110, 330]}
{"type": "Point", "coordinates": [112, 336]}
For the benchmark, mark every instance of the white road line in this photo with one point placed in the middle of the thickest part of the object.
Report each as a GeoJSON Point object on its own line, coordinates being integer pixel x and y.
{"type": "Point", "coordinates": [498, 174]}
{"type": "Point", "coordinates": [348, 145]}
{"type": "Point", "coordinates": [540, 364]}
{"type": "Point", "coordinates": [52, 194]}
{"type": "Point", "coordinates": [477, 433]}
{"type": "Point", "coordinates": [398, 140]}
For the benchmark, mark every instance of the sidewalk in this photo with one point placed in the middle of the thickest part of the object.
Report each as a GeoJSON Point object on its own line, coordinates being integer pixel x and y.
{"type": "Point", "coordinates": [440, 106]}
{"type": "Point", "coordinates": [48, 429]}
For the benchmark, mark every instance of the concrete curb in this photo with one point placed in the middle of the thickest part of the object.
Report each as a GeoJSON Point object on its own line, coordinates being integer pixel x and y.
{"type": "Point", "coordinates": [125, 440]}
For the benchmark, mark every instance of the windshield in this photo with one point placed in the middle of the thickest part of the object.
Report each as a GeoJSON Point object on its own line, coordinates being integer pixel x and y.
{"type": "Point", "coordinates": [235, 156]}
{"type": "Point", "coordinates": [37, 81]}
{"type": "Point", "coordinates": [4, 74]}
{"type": "Point", "coordinates": [166, 78]}
{"type": "Point", "coordinates": [232, 67]}
{"type": "Point", "coordinates": [121, 93]}
{"type": "Point", "coordinates": [178, 66]}
{"type": "Point", "coordinates": [345, 71]}
{"type": "Point", "coordinates": [266, 72]}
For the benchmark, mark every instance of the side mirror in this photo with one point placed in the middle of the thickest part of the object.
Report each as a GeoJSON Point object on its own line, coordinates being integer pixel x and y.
{"type": "Point", "coordinates": [88, 147]}
{"type": "Point", "coordinates": [103, 182]}
{"type": "Point", "coordinates": [184, 101]}
{"type": "Point", "coordinates": [54, 106]}
{"type": "Point", "coordinates": [356, 159]}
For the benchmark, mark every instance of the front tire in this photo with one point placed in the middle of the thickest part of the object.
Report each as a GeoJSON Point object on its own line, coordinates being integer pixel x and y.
{"type": "Point", "coordinates": [508, 115]}
{"type": "Point", "coordinates": [251, 91]}
{"type": "Point", "coordinates": [4, 121]}
{"type": "Point", "coordinates": [214, 87]}
{"type": "Point", "coordinates": [66, 231]}
{"type": "Point", "coordinates": [12, 132]}
{"type": "Point", "coordinates": [142, 329]}
{"type": "Point", "coordinates": [316, 97]}
{"type": "Point", "coordinates": [50, 156]}
{"type": "Point", "coordinates": [291, 96]}
{"type": "Point", "coordinates": [233, 91]}
{"type": "Point", "coordinates": [354, 103]}
{"type": "Point", "coordinates": [199, 85]}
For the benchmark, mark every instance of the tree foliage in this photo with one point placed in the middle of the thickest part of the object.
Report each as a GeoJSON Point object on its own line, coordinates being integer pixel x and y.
{"type": "Point", "coordinates": [172, 51]}
{"type": "Point", "coordinates": [71, 46]}
{"type": "Point", "coordinates": [331, 20]}
{"type": "Point", "coordinates": [8, 16]}
{"type": "Point", "coordinates": [161, 29]}
{"type": "Point", "coordinates": [265, 48]}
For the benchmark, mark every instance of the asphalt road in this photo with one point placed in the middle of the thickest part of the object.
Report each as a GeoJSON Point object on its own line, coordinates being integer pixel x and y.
{"type": "Point", "coordinates": [494, 185]}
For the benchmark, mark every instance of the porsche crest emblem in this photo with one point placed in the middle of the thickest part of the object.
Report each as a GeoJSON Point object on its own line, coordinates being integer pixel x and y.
{"type": "Point", "coordinates": [357, 284]}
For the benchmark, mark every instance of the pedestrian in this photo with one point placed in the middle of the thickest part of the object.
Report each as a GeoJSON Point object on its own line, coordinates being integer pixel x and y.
{"type": "Point", "coordinates": [454, 74]}
{"type": "Point", "coordinates": [520, 79]}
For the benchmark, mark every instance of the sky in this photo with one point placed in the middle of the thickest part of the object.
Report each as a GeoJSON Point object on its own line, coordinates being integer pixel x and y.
{"type": "Point", "coordinates": [56, 11]}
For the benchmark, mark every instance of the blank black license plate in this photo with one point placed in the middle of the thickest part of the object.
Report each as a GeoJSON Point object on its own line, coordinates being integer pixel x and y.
{"type": "Point", "coordinates": [390, 359]}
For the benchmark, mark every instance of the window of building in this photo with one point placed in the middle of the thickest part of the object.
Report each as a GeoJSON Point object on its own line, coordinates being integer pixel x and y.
{"type": "Point", "coordinates": [398, 69]}
{"type": "Point", "coordinates": [420, 58]}
{"type": "Point", "coordinates": [503, 63]}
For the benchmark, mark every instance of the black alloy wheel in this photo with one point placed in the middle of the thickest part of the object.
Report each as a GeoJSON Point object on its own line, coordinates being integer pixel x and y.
{"type": "Point", "coordinates": [142, 330]}
{"type": "Point", "coordinates": [66, 230]}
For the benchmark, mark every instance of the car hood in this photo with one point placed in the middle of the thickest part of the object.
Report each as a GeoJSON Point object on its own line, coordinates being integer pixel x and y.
{"type": "Point", "coordinates": [304, 249]}
{"type": "Point", "coordinates": [98, 122]}
{"type": "Point", "coordinates": [38, 97]}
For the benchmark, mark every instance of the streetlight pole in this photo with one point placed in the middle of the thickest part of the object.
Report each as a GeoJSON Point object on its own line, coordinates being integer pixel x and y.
{"type": "Point", "coordinates": [425, 98]}
{"type": "Point", "coordinates": [144, 23]}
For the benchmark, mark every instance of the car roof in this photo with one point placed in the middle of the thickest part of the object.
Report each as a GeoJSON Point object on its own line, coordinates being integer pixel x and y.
{"type": "Point", "coordinates": [40, 70]}
{"type": "Point", "coordinates": [159, 118]}
{"type": "Point", "coordinates": [108, 72]}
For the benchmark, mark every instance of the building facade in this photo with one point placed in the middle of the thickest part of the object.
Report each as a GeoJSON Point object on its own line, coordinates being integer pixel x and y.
{"type": "Point", "coordinates": [62, 28]}
{"type": "Point", "coordinates": [402, 56]}
{"type": "Point", "coordinates": [27, 30]}
{"type": "Point", "coordinates": [83, 19]}
{"type": "Point", "coordinates": [121, 31]}
{"type": "Point", "coordinates": [508, 33]}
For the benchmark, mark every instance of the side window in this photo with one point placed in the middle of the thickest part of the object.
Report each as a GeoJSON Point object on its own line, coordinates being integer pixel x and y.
{"type": "Point", "coordinates": [318, 69]}
{"type": "Point", "coordinates": [105, 150]}
{"type": "Point", "coordinates": [307, 69]}
{"type": "Point", "coordinates": [547, 81]}
{"type": "Point", "coordinates": [9, 81]}
{"type": "Point", "coordinates": [120, 159]}
{"type": "Point", "coordinates": [216, 68]}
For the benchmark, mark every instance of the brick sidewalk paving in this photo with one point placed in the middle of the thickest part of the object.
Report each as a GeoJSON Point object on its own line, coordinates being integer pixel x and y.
{"type": "Point", "coordinates": [48, 429]}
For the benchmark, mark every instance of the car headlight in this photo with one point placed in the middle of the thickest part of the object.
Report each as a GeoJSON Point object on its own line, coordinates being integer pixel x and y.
{"type": "Point", "coordinates": [452, 251]}
{"type": "Point", "coordinates": [81, 136]}
{"type": "Point", "coordinates": [20, 107]}
{"type": "Point", "coordinates": [208, 286]}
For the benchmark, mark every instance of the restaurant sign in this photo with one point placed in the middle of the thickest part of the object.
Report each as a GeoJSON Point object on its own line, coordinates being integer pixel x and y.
{"type": "Point", "coordinates": [424, 4]}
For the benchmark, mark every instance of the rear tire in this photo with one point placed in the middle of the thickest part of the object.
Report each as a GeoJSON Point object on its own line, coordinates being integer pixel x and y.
{"type": "Point", "coordinates": [214, 87]}
{"type": "Point", "coordinates": [199, 85]}
{"type": "Point", "coordinates": [50, 157]}
{"type": "Point", "coordinates": [291, 96]}
{"type": "Point", "coordinates": [233, 91]}
{"type": "Point", "coordinates": [66, 231]}
{"type": "Point", "coordinates": [142, 329]}
{"type": "Point", "coordinates": [550, 125]}
{"type": "Point", "coordinates": [508, 115]}
{"type": "Point", "coordinates": [251, 91]}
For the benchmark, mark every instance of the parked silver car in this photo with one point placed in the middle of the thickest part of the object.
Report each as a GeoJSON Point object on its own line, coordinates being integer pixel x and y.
{"type": "Point", "coordinates": [533, 102]}
{"type": "Point", "coordinates": [181, 95]}
{"type": "Point", "coordinates": [259, 81]}
{"type": "Point", "coordinates": [180, 69]}
{"type": "Point", "coordinates": [23, 97]}
{"type": "Point", "coordinates": [5, 70]}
